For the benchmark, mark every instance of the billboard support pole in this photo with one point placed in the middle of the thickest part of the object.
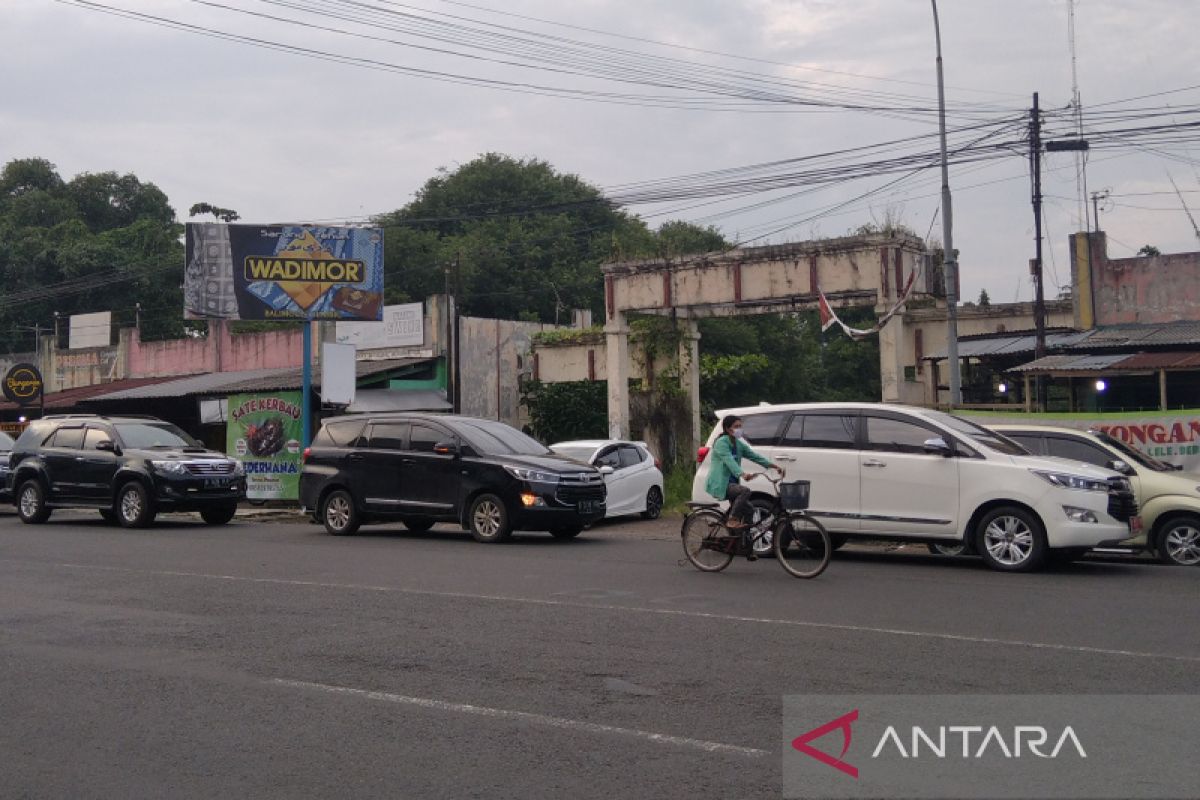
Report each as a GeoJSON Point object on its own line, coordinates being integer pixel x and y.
{"type": "Point", "coordinates": [306, 386]}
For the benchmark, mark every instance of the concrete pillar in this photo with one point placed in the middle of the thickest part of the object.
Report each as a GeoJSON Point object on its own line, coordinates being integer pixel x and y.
{"type": "Point", "coordinates": [1162, 389]}
{"type": "Point", "coordinates": [891, 358]}
{"type": "Point", "coordinates": [616, 336]}
{"type": "Point", "coordinates": [689, 375]}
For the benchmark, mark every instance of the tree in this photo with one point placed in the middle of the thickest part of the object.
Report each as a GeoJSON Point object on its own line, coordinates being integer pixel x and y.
{"type": "Point", "coordinates": [984, 300]}
{"type": "Point", "coordinates": [1149, 250]}
{"type": "Point", "coordinates": [516, 238]}
{"type": "Point", "coordinates": [223, 214]}
{"type": "Point", "coordinates": [114, 236]}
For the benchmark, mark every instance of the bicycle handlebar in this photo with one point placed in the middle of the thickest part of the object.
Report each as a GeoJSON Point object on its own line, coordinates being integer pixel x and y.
{"type": "Point", "coordinates": [773, 481]}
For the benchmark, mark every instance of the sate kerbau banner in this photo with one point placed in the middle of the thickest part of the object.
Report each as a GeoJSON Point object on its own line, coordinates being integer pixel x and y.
{"type": "Point", "coordinates": [283, 272]}
{"type": "Point", "coordinates": [263, 431]}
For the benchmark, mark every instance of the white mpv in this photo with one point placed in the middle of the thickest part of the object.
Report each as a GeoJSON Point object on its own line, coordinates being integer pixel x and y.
{"type": "Point", "coordinates": [912, 474]}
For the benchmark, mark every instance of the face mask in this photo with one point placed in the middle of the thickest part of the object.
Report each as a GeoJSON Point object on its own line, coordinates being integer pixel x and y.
{"type": "Point", "coordinates": [738, 433]}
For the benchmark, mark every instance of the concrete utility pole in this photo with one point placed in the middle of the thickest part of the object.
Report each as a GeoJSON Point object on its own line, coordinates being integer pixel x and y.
{"type": "Point", "coordinates": [1039, 297]}
{"type": "Point", "coordinates": [950, 260]}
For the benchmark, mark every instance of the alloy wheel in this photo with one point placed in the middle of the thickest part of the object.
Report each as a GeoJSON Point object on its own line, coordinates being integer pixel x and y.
{"type": "Point", "coordinates": [29, 502]}
{"type": "Point", "coordinates": [1008, 540]}
{"type": "Point", "coordinates": [487, 519]}
{"type": "Point", "coordinates": [1183, 544]}
{"type": "Point", "coordinates": [337, 513]}
{"type": "Point", "coordinates": [131, 505]}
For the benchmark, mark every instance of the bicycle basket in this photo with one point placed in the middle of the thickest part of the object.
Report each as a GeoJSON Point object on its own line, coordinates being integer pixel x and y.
{"type": "Point", "coordinates": [794, 495]}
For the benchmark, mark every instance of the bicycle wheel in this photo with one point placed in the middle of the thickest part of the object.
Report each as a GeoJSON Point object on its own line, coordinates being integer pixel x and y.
{"type": "Point", "coordinates": [706, 541]}
{"type": "Point", "coordinates": [802, 546]}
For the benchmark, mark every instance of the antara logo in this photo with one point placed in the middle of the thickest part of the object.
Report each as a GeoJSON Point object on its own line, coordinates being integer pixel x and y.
{"type": "Point", "coordinates": [946, 741]}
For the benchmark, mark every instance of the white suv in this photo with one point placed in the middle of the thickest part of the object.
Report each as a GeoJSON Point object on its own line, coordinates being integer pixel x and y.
{"type": "Point", "coordinates": [913, 474]}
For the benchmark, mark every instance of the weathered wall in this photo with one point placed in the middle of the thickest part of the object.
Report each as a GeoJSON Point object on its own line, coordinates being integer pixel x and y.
{"type": "Point", "coordinates": [217, 352]}
{"type": "Point", "coordinates": [493, 355]}
{"type": "Point", "coordinates": [1140, 290]}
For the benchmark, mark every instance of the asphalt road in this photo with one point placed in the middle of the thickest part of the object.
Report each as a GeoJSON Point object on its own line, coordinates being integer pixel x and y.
{"type": "Point", "coordinates": [266, 659]}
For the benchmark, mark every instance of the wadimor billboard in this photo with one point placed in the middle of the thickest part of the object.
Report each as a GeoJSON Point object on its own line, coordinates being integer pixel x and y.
{"type": "Point", "coordinates": [274, 272]}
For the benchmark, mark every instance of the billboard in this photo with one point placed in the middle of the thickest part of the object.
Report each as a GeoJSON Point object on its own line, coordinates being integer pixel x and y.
{"type": "Point", "coordinates": [403, 326]}
{"type": "Point", "coordinates": [283, 272]}
{"type": "Point", "coordinates": [264, 431]}
{"type": "Point", "coordinates": [90, 330]}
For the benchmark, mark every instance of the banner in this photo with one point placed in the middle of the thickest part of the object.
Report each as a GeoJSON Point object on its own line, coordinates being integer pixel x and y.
{"type": "Point", "coordinates": [264, 430]}
{"type": "Point", "coordinates": [1170, 436]}
{"type": "Point", "coordinates": [23, 384]}
{"type": "Point", "coordinates": [403, 326]}
{"type": "Point", "coordinates": [829, 317]}
{"type": "Point", "coordinates": [283, 272]}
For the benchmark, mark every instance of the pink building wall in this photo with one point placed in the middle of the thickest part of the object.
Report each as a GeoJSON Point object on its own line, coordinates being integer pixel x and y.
{"type": "Point", "coordinates": [218, 352]}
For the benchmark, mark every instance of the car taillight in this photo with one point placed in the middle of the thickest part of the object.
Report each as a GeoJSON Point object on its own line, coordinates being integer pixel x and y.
{"type": "Point", "coordinates": [658, 465]}
{"type": "Point", "coordinates": [702, 454]}
{"type": "Point", "coordinates": [307, 453]}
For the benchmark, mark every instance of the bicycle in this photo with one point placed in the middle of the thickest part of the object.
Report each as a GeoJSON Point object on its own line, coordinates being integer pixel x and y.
{"type": "Point", "coordinates": [800, 543]}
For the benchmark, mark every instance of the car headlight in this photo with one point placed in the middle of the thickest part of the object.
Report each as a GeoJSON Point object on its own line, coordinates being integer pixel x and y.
{"type": "Point", "coordinates": [532, 475]}
{"type": "Point", "coordinates": [239, 469]}
{"type": "Point", "coordinates": [1066, 480]}
{"type": "Point", "coordinates": [170, 467]}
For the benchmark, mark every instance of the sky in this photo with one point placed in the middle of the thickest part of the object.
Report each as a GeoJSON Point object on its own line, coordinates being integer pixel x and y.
{"type": "Point", "coordinates": [282, 137]}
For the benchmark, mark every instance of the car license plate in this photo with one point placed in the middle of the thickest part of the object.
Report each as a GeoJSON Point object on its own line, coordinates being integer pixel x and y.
{"type": "Point", "coordinates": [587, 506]}
{"type": "Point", "coordinates": [216, 483]}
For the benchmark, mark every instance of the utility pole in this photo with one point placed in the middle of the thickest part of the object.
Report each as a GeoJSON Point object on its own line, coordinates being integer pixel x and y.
{"type": "Point", "coordinates": [1039, 297]}
{"type": "Point", "coordinates": [950, 258]}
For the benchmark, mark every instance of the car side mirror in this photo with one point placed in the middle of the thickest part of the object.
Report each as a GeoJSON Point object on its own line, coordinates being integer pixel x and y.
{"type": "Point", "coordinates": [1117, 465]}
{"type": "Point", "coordinates": [446, 448]}
{"type": "Point", "coordinates": [108, 446]}
{"type": "Point", "coordinates": [937, 446]}
{"type": "Point", "coordinates": [606, 470]}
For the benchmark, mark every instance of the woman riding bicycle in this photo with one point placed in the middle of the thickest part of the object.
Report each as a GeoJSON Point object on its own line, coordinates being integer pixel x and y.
{"type": "Point", "coordinates": [727, 452]}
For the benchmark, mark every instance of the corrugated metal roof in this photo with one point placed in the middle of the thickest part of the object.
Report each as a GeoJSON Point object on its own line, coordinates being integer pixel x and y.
{"type": "Point", "coordinates": [1008, 344]}
{"type": "Point", "coordinates": [1130, 336]}
{"type": "Point", "coordinates": [254, 380]}
{"type": "Point", "coordinates": [1167, 360]}
{"type": "Point", "coordinates": [1071, 363]}
{"type": "Point", "coordinates": [67, 398]}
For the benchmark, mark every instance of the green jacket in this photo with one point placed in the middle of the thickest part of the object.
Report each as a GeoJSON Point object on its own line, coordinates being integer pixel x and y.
{"type": "Point", "coordinates": [724, 465]}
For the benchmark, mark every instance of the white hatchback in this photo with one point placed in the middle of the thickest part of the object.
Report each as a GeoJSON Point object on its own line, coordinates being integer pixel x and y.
{"type": "Point", "coordinates": [912, 474]}
{"type": "Point", "coordinates": [632, 474]}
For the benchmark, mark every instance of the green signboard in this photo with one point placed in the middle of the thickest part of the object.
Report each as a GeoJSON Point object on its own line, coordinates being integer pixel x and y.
{"type": "Point", "coordinates": [264, 431]}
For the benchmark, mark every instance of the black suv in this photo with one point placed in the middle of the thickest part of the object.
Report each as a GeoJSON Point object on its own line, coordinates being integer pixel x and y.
{"type": "Point", "coordinates": [129, 468]}
{"type": "Point", "coordinates": [426, 468]}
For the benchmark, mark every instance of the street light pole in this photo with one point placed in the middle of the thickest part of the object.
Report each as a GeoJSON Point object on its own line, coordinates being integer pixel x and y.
{"type": "Point", "coordinates": [950, 259]}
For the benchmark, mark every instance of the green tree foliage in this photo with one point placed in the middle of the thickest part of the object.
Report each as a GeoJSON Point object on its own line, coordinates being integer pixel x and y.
{"type": "Point", "coordinates": [562, 411]}
{"type": "Point", "coordinates": [1149, 250]}
{"type": "Point", "coordinates": [785, 359]}
{"type": "Point", "coordinates": [514, 238]}
{"type": "Point", "coordinates": [96, 223]}
{"type": "Point", "coordinates": [984, 300]}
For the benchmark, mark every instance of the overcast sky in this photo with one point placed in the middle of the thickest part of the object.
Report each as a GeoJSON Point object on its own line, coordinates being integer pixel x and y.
{"type": "Point", "coordinates": [281, 137]}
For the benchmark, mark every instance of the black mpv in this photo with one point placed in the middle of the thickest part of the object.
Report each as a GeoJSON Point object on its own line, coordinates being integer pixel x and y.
{"type": "Point", "coordinates": [128, 468]}
{"type": "Point", "coordinates": [425, 468]}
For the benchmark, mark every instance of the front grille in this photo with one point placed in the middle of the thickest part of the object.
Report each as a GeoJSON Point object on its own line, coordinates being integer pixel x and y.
{"type": "Point", "coordinates": [210, 467]}
{"type": "Point", "coordinates": [582, 486]}
{"type": "Point", "coordinates": [1122, 505]}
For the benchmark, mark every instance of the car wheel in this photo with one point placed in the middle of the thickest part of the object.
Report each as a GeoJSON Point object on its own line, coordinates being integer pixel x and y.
{"type": "Point", "coordinates": [135, 509]}
{"type": "Point", "coordinates": [959, 549]}
{"type": "Point", "coordinates": [418, 524]}
{"type": "Point", "coordinates": [218, 515]}
{"type": "Point", "coordinates": [1179, 541]}
{"type": "Point", "coordinates": [566, 533]}
{"type": "Point", "coordinates": [1010, 539]}
{"type": "Point", "coordinates": [108, 515]}
{"type": "Point", "coordinates": [339, 514]}
{"type": "Point", "coordinates": [654, 503]}
{"type": "Point", "coordinates": [31, 503]}
{"type": "Point", "coordinates": [488, 519]}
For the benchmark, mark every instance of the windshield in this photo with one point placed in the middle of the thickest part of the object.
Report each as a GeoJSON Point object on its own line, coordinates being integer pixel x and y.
{"type": "Point", "coordinates": [1133, 454]}
{"type": "Point", "coordinates": [978, 433]}
{"type": "Point", "coordinates": [496, 438]}
{"type": "Point", "coordinates": [151, 435]}
{"type": "Point", "coordinates": [583, 454]}
{"type": "Point", "coordinates": [6, 441]}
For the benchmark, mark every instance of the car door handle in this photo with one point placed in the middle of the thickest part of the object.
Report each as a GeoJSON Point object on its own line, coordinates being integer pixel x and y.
{"type": "Point", "coordinates": [354, 457]}
{"type": "Point", "coordinates": [80, 458]}
{"type": "Point", "coordinates": [408, 461]}
{"type": "Point", "coordinates": [785, 458]}
{"type": "Point", "coordinates": [874, 463]}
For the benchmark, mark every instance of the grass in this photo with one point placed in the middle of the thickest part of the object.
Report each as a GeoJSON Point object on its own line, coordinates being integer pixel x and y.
{"type": "Point", "coordinates": [677, 483]}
